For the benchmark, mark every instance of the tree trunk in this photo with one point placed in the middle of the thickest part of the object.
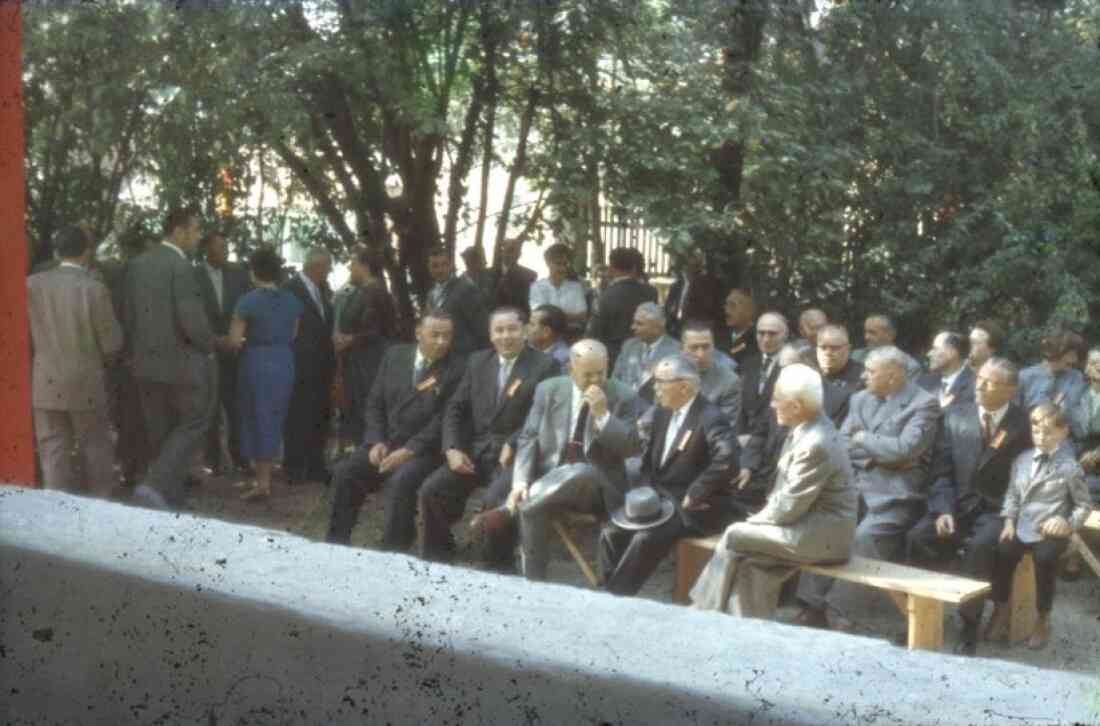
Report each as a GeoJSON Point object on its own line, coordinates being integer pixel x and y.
{"type": "Point", "coordinates": [526, 121]}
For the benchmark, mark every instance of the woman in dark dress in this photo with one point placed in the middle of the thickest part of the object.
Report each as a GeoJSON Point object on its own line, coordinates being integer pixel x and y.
{"type": "Point", "coordinates": [264, 325]}
{"type": "Point", "coordinates": [366, 326]}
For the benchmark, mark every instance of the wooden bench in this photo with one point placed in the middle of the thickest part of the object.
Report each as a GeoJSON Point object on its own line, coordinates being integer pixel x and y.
{"type": "Point", "coordinates": [562, 525]}
{"type": "Point", "coordinates": [919, 594]}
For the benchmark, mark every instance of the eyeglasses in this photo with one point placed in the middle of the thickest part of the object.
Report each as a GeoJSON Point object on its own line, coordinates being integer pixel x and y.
{"type": "Point", "coordinates": [667, 380]}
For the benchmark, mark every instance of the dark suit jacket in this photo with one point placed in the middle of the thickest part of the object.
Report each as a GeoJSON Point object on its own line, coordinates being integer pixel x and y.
{"type": "Point", "coordinates": [741, 347]}
{"type": "Point", "coordinates": [754, 403]}
{"type": "Point", "coordinates": [838, 390]}
{"type": "Point", "coordinates": [964, 470]}
{"type": "Point", "coordinates": [962, 388]}
{"type": "Point", "coordinates": [314, 354]}
{"type": "Point", "coordinates": [615, 312]}
{"type": "Point", "coordinates": [513, 288]}
{"type": "Point", "coordinates": [466, 305]}
{"type": "Point", "coordinates": [704, 302]}
{"type": "Point", "coordinates": [475, 421]}
{"type": "Point", "coordinates": [235, 283]}
{"type": "Point", "coordinates": [704, 458]}
{"type": "Point", "coordinates": [400, 414]}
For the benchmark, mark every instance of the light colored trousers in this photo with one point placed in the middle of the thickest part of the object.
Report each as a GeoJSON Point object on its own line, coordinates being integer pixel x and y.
{"type": "Point", "coordinates": [740, 578]}
{"type": "Point", "coordinates": [58, 433]}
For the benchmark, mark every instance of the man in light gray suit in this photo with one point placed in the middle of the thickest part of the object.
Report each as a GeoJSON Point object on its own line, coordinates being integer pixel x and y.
{"type": "Point", "coordinates": [649, 346]}
{"type": "Point", "coordinates": [171, 347]}
{"type": "Point", "coordinates": [890, 429]}
{"type": "Point", "coordinates": [569, 455]}
{"type": "Point", "coordinates": [810, 514]}
{"type": "Point", "coordinates": [73, 332]}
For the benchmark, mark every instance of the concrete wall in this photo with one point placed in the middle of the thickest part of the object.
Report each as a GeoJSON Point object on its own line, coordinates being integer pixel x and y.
{"type": "Point", "coordinates": [115, 615]}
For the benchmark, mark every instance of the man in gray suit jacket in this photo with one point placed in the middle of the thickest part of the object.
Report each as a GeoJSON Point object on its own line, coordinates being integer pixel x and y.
{"type": "Point", "coordinates": [569, 456]}
{"type": "Point", "coordinates": [649, 346]}
{"type": "Point", "coordinates": [73, 332]}
{"type": "Point", "coordinates": [890, 430]}
{"type": "Point", "coordinates": [717, 382]}
{"type": "Point", "coordinates": [171, 345]}
{"type": "Point", "coordinates": [810, 514]}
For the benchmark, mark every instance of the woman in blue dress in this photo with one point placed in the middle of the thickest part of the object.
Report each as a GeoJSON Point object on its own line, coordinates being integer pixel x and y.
{"type": "Point", "coordinates": [264, 325]}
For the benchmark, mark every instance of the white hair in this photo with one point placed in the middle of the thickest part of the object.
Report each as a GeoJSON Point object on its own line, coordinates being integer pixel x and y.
{"type": "Point", "coordinates": [681, 368]}
{"type": "Point", "coordinates": [887, 354]}
{"type": "Point", "coordinates": [651, 310]}
{"type": "Point", "coordinates": [777, 318]}
{"type": "Point", "coordinates": [803, 384]}
{"type": "Point", "coordinates": [586, 347]}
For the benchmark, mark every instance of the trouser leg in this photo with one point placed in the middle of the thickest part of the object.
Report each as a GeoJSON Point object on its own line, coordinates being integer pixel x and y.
{"type": "Point", "coordinates": [352, 479]}
{"type": "Point", "coordinates": [401, 486]}
{"type": "Point", "coordinates": [641, 555]}
{"type": "Point", "coordinates": [1009, 555]}
{"type": "Point", "coordinates": [54, 435]}
{"type": "Point", "coordinates": [442, 501]}
{"type": "Point", "coordinates": [193, 408]}
{"type": "Point", "coordinates": [569, 488]}
{"type": "Point", "coordinates": [925, 547]}
{"type": "Point", "coordinates": [979, 560]}
{"type": "Point", "coordinates": [757, 586]}
{"type": "Point", "coordinates": [1046, 553]}
{"type": "Point", "coordinates": [96, 450]}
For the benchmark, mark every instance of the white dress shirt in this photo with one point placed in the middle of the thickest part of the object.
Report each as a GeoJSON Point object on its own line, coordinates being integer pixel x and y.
{"type": "Point", "coordinates": [673, 429]}
{"type": "Point", "coordinates": [569, 296]}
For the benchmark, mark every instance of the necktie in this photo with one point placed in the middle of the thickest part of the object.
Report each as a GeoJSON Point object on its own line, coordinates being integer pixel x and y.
{"type": "Point", "coordinates": [1040, 462]}
{"type": "Point", "coordinates": [987, 427]}
{"type": "Point", "coordinates": [419, 370]}
{"type": "Point", "coordinates": [503, 376]}
{"type": "Point", "coordinates": [765, 372]}
{"type": "Point", "coordinates": [574, 448]}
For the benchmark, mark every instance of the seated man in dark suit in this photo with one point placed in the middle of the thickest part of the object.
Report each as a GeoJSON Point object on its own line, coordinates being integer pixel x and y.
{"type": "Point", "coordinates": [459, 298]}
{"type": "Point", "coordinates": [738, 337]}
{"type": "Point", "coordinates": [690, 458]}
{"type": "Point", "coordinates": [840, 375]}
{"type": "Point", "coordinates": [401, 446]}
{"type": "Point", "coordinates": [758, 372]}
{"type": "Point", "coordinates": [948, 376]}
{"type": "Point", "coordinates": [971, 465]}
{"type": "Point", "coordinates": [611, 323]}
{"type": "Point", "coordinates": [480, 426]}
{"type": "Point", "coordinates": [880, 331]}
{"type": "Point", "coordinates": [571, 450]}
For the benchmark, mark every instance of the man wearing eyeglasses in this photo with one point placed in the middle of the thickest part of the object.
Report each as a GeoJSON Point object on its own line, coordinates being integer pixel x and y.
{"type": "Point", "coordinates": [758, 372]}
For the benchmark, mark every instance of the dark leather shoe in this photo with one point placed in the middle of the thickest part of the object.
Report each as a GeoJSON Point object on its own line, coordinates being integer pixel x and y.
{"type": "Point", "coordinates": [491, 522]}
{"type": "Point", "coordinates": [812, 618]}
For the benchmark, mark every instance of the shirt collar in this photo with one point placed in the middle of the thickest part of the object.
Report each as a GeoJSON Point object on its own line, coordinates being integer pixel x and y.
{"type": "Point", "coordinates": [947, 381]}
{"type": "Point", "coordinates": [310, 284]}
{"type": "Point", "coordinates": [681, 413]}
{"type": "Point", "coordinates": [998, 415]}
{"type": "Point", "coordinates": [211, 269]}
{"type": "Point", "coordinates": [73, 265]}
{"type": "Point", "coordinates": [179, 252]}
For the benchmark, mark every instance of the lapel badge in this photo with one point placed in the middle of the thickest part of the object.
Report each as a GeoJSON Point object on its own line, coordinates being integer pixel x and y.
{"type": "Point", "coordinates": [425, 384]}
{"type": "Point", "coordinates": [514, 387]}
{"type": "Point", "coordinates": [684, 440]}
{"type": "Point", "coordinates": [998, 440]}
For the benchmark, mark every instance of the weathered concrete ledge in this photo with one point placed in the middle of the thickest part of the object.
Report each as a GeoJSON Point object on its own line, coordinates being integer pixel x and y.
{"type": "Point", "coordinates": [111, 614]}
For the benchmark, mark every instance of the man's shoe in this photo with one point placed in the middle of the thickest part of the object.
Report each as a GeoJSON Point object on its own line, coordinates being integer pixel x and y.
{"type": "Point", "coordinates": [812, 618]}
{"type": "Point", "coordinates": [148, 497]}
{"type": "Point", "coordinates": [1041, 635]}
{"type": "Point", "coordinates": [997, 629]}
{"type": "Point", "coordinates": [490, 522]}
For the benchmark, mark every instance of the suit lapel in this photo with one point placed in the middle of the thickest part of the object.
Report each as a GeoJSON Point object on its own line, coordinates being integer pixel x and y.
{"type": "Point", "coordinates": [686, 433]}
{"type": "Point", "coordinates": [518, 373]}
{"type": "Point", "coordinates": [889, 408]}
{"type": "Point", "coordinates": [1004, 436]}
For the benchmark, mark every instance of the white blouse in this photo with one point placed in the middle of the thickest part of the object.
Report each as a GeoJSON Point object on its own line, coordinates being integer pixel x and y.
{"type": "Point", "coordinates": [569, 297]}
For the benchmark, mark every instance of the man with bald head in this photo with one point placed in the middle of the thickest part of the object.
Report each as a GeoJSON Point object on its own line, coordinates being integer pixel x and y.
{"type": "Point", "coordinates": [840, 375]}
{"type": "Point", "coordinates": [570, 452]}
{"type": "Point", "coordinates": [759, 371]}
{"type": "Point", "coordinates": [878, 331]}
{"type": "Point", "coordinates": [890, 429]}
{"type": "Point", "coordinates": [810, 322]}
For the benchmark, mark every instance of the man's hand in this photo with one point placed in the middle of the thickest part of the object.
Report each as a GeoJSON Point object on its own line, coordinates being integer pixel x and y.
{"type": "Point", "coordinates": [1055, 527]}
{"type": "Point", "coordinates": [945, 526]}
{"type": "Point", "coordinates": [394, 459]}
{"type": "Point", "coordinates": [517, 495]}
{"type": "Point", "coordinates": [342, 341]}
{"type": "Point", "coordinates": [377, 453]}
{"type": "Point", "coordinates": [506, 454]}
{"type": "Point", "coordinates": [1090, 460]}
{"type": "Point", "coordinates": [597, 402]}
{"type": "Point", "coordinates": [1008, 531]}
{"type": "Point", "coordinates": [458, 462]}
{"type": "Point", "coordinates": [693, 505]}
{"type": "Point", "coordinates": [743, 479]}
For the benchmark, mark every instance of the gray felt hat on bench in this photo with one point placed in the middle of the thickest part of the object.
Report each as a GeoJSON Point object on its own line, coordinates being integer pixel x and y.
{"type": "Point", "coordinates": [644, 509]}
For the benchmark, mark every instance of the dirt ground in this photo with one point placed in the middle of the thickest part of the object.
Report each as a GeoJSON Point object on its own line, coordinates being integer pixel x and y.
{"type": "Point", "coordinates": [303, 510]}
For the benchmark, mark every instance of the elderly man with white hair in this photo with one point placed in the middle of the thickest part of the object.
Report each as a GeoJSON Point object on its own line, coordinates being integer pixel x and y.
{"type": "Point", "coordinates": [650, 345]}
{"type": "Point", "coordinates": [890, 429]}
{"type": "Point", "coordinates": [809, 517]}
{"type": "Point", "coordinates": [570, 453]}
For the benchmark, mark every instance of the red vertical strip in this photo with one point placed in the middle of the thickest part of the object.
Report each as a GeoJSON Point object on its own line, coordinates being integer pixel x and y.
{"type": "Point", "coordinates": [16, 430]}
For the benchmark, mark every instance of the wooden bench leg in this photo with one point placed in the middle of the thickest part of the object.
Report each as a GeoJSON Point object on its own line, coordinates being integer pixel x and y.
{"type": "Point", "coordinates": [925, 623]}
{"type": "Point", "coordinates": [1023, 613]}
{"type": "Point", "coordinates": [576, 553]}
{"type": "Point", "coordinates": [1086, 553]}
{"type": "Point", "coordinates": [690, 561]}
{"type": "Point", "coordinates": [900, 600]}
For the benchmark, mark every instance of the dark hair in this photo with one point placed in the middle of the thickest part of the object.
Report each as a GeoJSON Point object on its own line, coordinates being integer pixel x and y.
{"type": "Point", "coordinates": [554, 318]}
{"type": "Point", "coordinates": [558, 249]}
{"type": "Point", "coordinates": [886, 320]}
{"type": "Point", "coordinates": [994, 330]}
{"type": "Point", "coordinates": [177, 217]}
{"type": "Point", "coordinates": [437, 251]}
{"type": "Point", "coordinates": [621, 259]}
{"type": "Point", "coordinates": [742, 291]}
{"type": "Point", "coordinates": [1052, 411]}
{"type": "Point", "coordinates": [208, 238]}
{"type": "Point", "coordinates": [697, 326]}
{"type": "Point", "coordinates": [637, 264]}
{"type": "Point", "coordinates": [71, 241]}
{"type": "Point", "coordinates": [508, 310]}
{"type": "Point", "coordinates": [369, 259]}
{"type": "Point", "coordinates": [958, 341]}
{"type": "Point", "coordinates": [1058, 342]}
{"type": "Point", "coordinates": [266, 264]}
{"type": "Point", "coordinates": [435, 314]}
